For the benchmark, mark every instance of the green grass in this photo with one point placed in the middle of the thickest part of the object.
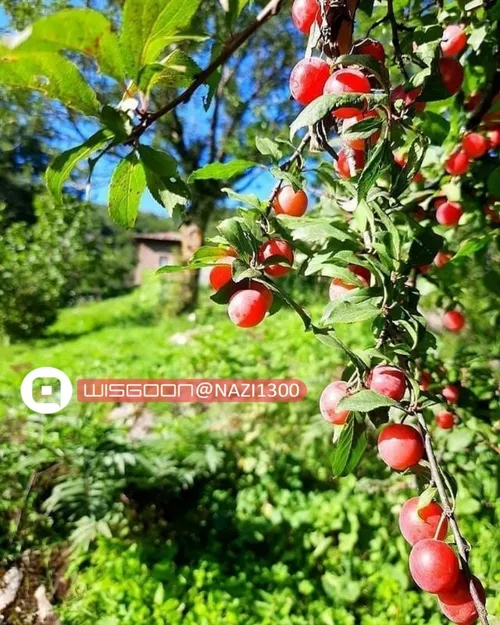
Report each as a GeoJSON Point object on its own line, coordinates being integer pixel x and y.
{"type": "Point", "coordinates": [249, 528]}
{"type": "Point", "coordinates": [129, 337]}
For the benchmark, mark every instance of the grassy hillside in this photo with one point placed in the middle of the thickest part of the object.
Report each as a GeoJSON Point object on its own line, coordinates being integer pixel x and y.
{"type": "Point", "coordinates": [215, 514]}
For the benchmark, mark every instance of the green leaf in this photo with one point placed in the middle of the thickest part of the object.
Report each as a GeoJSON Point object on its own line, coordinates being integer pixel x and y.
{"type": "Point", "coordinates": [351, 309]}
{"type": "Point", "coordinates": [367, 7]}
{"type": "Point", "coordinates": [268, 147]}
{"type": "Point", "coordinates": [61, 167]}
{"type": "Point", "coordinates": [424, 247]}
{"type": "Point", "coordinates": [368, 62]}
{"type": "Point", "coordinates": [52, 75]}
{"type": "Point", "coordinates": [363, 129]}
{"type": "Point", "coordinates": [330, 270]}
{"type": "Point", "coordinates": [177, 268]}
{"type": "Point", "coordinates": [494, 183]}
{"type": "Point", "coordinates": [176, 70]}
{"type": "Point", "coordinates": [391, 229]}
{"type": "Point", "coordinates": [472, 246]}
{"type": "Point", "coordinates": [312, 229]}
{"type": "Point", "coordinates": [366, 401]}
{"type": "Point", "coordinates": [128, 183]}
{"type": "Point", "coordinates": [436, 127]}
{"type": "Point", "coordinates": [237, 236]}
{"type": "Point", "coordinates": [149, 26]}
{"type": "Point", "coordinates": [159, 596]}
{"type": "Point", "coordinates": [333, 341]}
{"type": "Point", "coordinates": [378, 163]}
{"type": "Point", "coordinates": [320, 107]}
{"type": "Point", "coordinates": [163, 179]}
{"type": "Point", "coordinates": [221, 171]}
{"type": "Point", "coordinates": [343, 448]}
{"type": "Point", "coordinates": [472, 5]}
{"type": "Point", "coordinates": [295, 180]}
{"type": "Point", "coordinates": [360, 441]}
{"type": "Point", "coordinates": [413, 165]}
{"type": "Point", "coordinates": [208, 254]}
{"type": "Point", "coordinates": [214, 80]}
{"type": "Point", "coordinates": [233, 8]}
{"type": "Point", "coordinates": [118, 122]}
{"type": "Point", "coordinates": [426, 498]}
{"type": "Point", "coordinates": [80, 30]}
{"type": "Point", "coordinates": [459, 439]}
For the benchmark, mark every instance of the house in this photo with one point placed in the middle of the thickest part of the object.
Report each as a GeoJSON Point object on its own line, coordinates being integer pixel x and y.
{"type": "Point", "coordinates": [154, 251]}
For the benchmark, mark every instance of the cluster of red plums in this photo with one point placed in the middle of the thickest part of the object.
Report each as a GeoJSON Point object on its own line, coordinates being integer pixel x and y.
{"type": "Point", "coordinates": [251, 300]}
{"type": "Point", "coordinates": [448, 213]}
{"type": "Point", "coordinates": [445, 419]}
{"type": "Point", "coordinates": [453, 320]}
{"type": "Point", "coordinates": [312, 77]}
{"type": "Point", "coordinates": [474, 145]}
{"type": "Point", "coordinates": [433, 563]}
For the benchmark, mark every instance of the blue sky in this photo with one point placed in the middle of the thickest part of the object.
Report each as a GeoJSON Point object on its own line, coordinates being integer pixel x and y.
{"type": "Point", "coordinates": [198, 121]}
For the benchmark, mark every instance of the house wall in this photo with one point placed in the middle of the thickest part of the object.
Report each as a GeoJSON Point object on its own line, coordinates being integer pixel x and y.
{"type": "Point", "coordinates": [151, 255]}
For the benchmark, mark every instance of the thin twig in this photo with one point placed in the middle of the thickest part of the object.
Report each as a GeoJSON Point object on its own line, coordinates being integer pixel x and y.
{"type": "Point", "coordinates": [379, 22]}
{"type": "Point", "coordinates": [270, 10]}
{"type": "Point", "coordinates": [437, 478]}
{"type": "Point", "coordinates": [395, 38]}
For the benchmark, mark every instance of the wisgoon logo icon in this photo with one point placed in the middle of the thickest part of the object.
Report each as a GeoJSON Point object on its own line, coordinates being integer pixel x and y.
{"type": "Point", "coordinates": [61, 389]}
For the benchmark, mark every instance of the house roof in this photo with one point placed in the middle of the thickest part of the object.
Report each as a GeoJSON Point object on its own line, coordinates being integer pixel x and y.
{"type": "Point", "coordinates": [158, 236]}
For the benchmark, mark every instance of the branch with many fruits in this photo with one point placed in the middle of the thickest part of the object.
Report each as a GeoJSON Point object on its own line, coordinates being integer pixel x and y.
{"type": "Point", "coordinates": [412, 192]}
{"type": "Point", "coordinates": [372, 260]}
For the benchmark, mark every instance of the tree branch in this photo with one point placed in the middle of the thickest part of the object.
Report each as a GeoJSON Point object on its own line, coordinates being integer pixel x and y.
{"type": "Point", "coordinates": [271, 9]}
{"type": "Point", "coordinates": [395, 38]}
{"type": "Point", "coordinates": [437, 478]}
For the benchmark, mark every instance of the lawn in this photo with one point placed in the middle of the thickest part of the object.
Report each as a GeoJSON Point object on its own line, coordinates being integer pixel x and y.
{"type": "Point", "coordinates": [222, 513]}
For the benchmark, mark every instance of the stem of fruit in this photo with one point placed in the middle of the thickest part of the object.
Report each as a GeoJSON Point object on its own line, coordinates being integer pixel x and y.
{"type": "Point", "coordinates": [286, 166]}
{"type": "Point", "coordinates": [437, 478]}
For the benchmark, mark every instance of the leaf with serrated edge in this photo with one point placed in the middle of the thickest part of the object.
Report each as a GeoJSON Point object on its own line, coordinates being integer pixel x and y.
{"type": "Point", "coordinates": [221, 171]}
{"type": "Point", "coordinates": [149, 26]}
{"type": "Point", "coordinates": [360, 441]}
{"type": "Point", "coordinates": [320, 107]}
{"type": "Point", "coordinates": [127, 186]}
{"type": "Point", "coordinates": [268, 147]}
{"type": "Point", "coordinates": [81, 30]}
{"type": "Point", "coordinates": [347, 310]}
{"type": "Point", "coordinates": [363, 129]}
{"type": "Point", "coordinates": [343, 448]}
{"type": "Point", "coordinates": [176, 70]}
{"type": "Point", "coordinates": [377, 164]}
{"type": "Point", "coordinates": [52, 75]}
{"type": "Point", "coordinates": [163, 179]}
{"type": "Point", "coordinates": [61, 167]}
{"type": "Point", "coordinates": [366, 401]}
